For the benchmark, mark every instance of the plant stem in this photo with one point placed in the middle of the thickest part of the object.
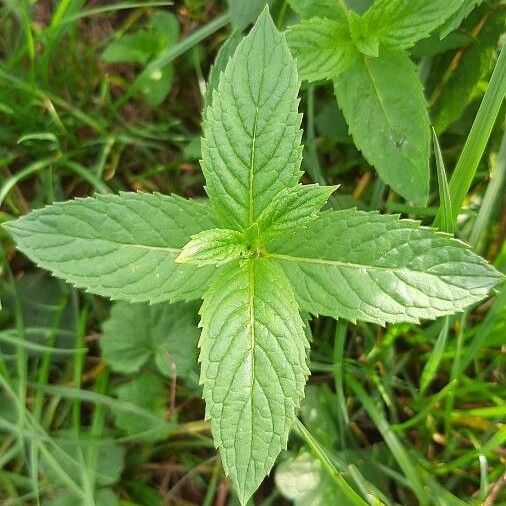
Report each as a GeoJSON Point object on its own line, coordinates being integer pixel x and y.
{"type": "Point", "coordinates": [329, 467]}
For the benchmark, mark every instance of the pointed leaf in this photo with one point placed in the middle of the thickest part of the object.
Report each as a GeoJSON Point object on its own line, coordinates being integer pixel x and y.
{"type": "Point", "coordinates": [365, 41]}
{"type": "Point", "coordinates": [445, 201]}
{"type": "Point", "coordinates": [401, 23]}
{"type": "Point", "coordinates": [253, 353]}
{"type": "Point", "coordinates": [322, 48]}
{"type": "Point", "coordinates": [356, 265]}
{"type": "Point", "coordinates": [122, 247]}
{"type": "Point", "coordinates": [251, 147]}
{"type": "Point", "coordinates": [214, 247]}
{"type": "Point", "coordinates": [384, 106]}
{"type": "Point", "coordinates": [457, 17]}
{"type": "Point", "coordinates": [292, 209]}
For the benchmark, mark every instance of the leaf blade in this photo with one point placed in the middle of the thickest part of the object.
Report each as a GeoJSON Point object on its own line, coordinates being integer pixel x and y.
{"type": "Point", "coordinates": [251, 146]}
{"type": "Point", "coordinates": [401, 23]}
{"type": "Point", "coordinates": [118, 246]}
{"type": "Point", "coordinates": [292, 209]}
{"type": "Point", "coordinates": [135, 333]}
{"type": "Point", "coordinates": [390, 128]}
{"type": "Point", "coordinates": [377, 268]}
{"type": "Point", "coordinates": [215, 246]}
{"type": "Point", "coordinates": [322, 48]}
{"type": "Point", "coordinates": [253, 355]}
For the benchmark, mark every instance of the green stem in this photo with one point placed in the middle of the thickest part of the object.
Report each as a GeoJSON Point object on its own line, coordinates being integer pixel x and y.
{"type": "Point", "coordinates": [334, 474]}
{"type": "Point", "coordinates": [338, 358]}
{"type": "Point", "coordinates": [392, 441]}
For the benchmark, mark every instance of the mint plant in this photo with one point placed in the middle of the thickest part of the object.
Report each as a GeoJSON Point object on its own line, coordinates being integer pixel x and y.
{"type": "Point", "coordinates": [375, 83]}
{"type": "Point", "coordinates": [258, 252]}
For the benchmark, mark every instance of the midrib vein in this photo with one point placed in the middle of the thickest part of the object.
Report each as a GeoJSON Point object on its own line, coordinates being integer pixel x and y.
{"type": "Point", "coordinates": [166, 249]}
{"type": "Point", "coordinates": [377, 92]}
{"type": "Point", "coordinates": [252, 169]}
{"type": "Point", "coordinates": [337, 263]}
{"type": "Point", "coordinates": [251, 316]}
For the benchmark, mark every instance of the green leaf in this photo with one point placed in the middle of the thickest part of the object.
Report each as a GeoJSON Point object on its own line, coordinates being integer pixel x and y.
{"type": "Point", "coordinates": [469, 159]}
{"type": "Point", "coordinates": [244, 12]}
{"type": "Point", "coordinates": [364, 41]}
{"type": "Point", "coordinates": [445, 205]}
{"type": "Point", "coordinates": [366, 266]}
{"type": "Point", "coordinates": [137, 47]}
{"type": "Point", "coordinates": [322, 48]}
{"type": "Point", "coordinates": [331, 9]}
{"type": "Point", "coordinates": [214, 247]}
{"type": "Point", "coordinates": [253, 354]}
{"type": "Point", "coordinates": [142, 47]}
{"type": "Point", "coordinates": [155, 85]}
{"type": "Point", "coordinates": [303, 480]}
{"type": "Point", "coordinates": [319, 414]}
{"type": "Point", "coordinates": [292, 209]}
{"type": "Point", "coordinates": [148, 392]}
{"type": "Point", "coordinates": [122, 247]}
{"type": "Point", "coordinates": [251, 148]}
{"type": "Point", "coordinates": [103, 497]}
{"type": "Point", "coordinates": [383, 102]}
{"type": "Point", "coordinates": [136, 333]}
{"type": "Point", "coordinates": [454, 21]}
{"type": "Point", "coordinates": [166, 26]}
{"type": "Point", "coordinates": [402, 23]}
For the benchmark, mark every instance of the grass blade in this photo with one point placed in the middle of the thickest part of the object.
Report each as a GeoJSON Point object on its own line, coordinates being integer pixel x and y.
{"type": "Point", "coordinates": [392, 441]}
{"type": "Point", "coordinates": [445, 207]}
{"type": "Point", "coordinates": [430, 369]}
{"type": "Point", "coordinates": [321, 455]}
{"type": "Point", "coordinates": [476, 142]}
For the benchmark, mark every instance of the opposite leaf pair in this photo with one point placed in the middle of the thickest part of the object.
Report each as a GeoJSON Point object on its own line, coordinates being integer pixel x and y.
{"type": "Point", "coordinates": [375, 83]}
{"type": "Point", "coordinates": [273, 256]}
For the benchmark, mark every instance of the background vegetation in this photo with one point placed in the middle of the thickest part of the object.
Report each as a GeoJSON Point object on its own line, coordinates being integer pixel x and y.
{"type": "Point", "coordinates": [100, 96]}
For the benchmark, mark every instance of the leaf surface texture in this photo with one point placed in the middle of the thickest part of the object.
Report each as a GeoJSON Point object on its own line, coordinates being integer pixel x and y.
{"type": "Point", "coordinates": [383, 103]}
{"type": "Point", "coordinates": [119, 246]}
{"type": "Point", "coordinates": [251, 148]}
{"type": "Point", "coordinates": [366, 266]}
{"type": "Point", "coordinates": [253, 354]}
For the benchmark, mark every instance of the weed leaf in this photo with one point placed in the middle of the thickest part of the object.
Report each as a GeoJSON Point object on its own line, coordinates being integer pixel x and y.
{"type": "Point", "coordinates": [402, 23]}
{"type": "Point", "coordinates": [137, 333]}
{"type": "Point", "coordinates": [322, 48]}
{"type": "Point", "coordinates": [123, 247]}
{"type": "Point", "coordinates": [147, 391]}
{"type": "Point", "coordinates": [251, 147]}
{"type": "Point", "coordinates": [253, 354]}
{"type": "Point", "coordinates": [383, 103]}
{"type": "Point", "coordinates": [356, 265]}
